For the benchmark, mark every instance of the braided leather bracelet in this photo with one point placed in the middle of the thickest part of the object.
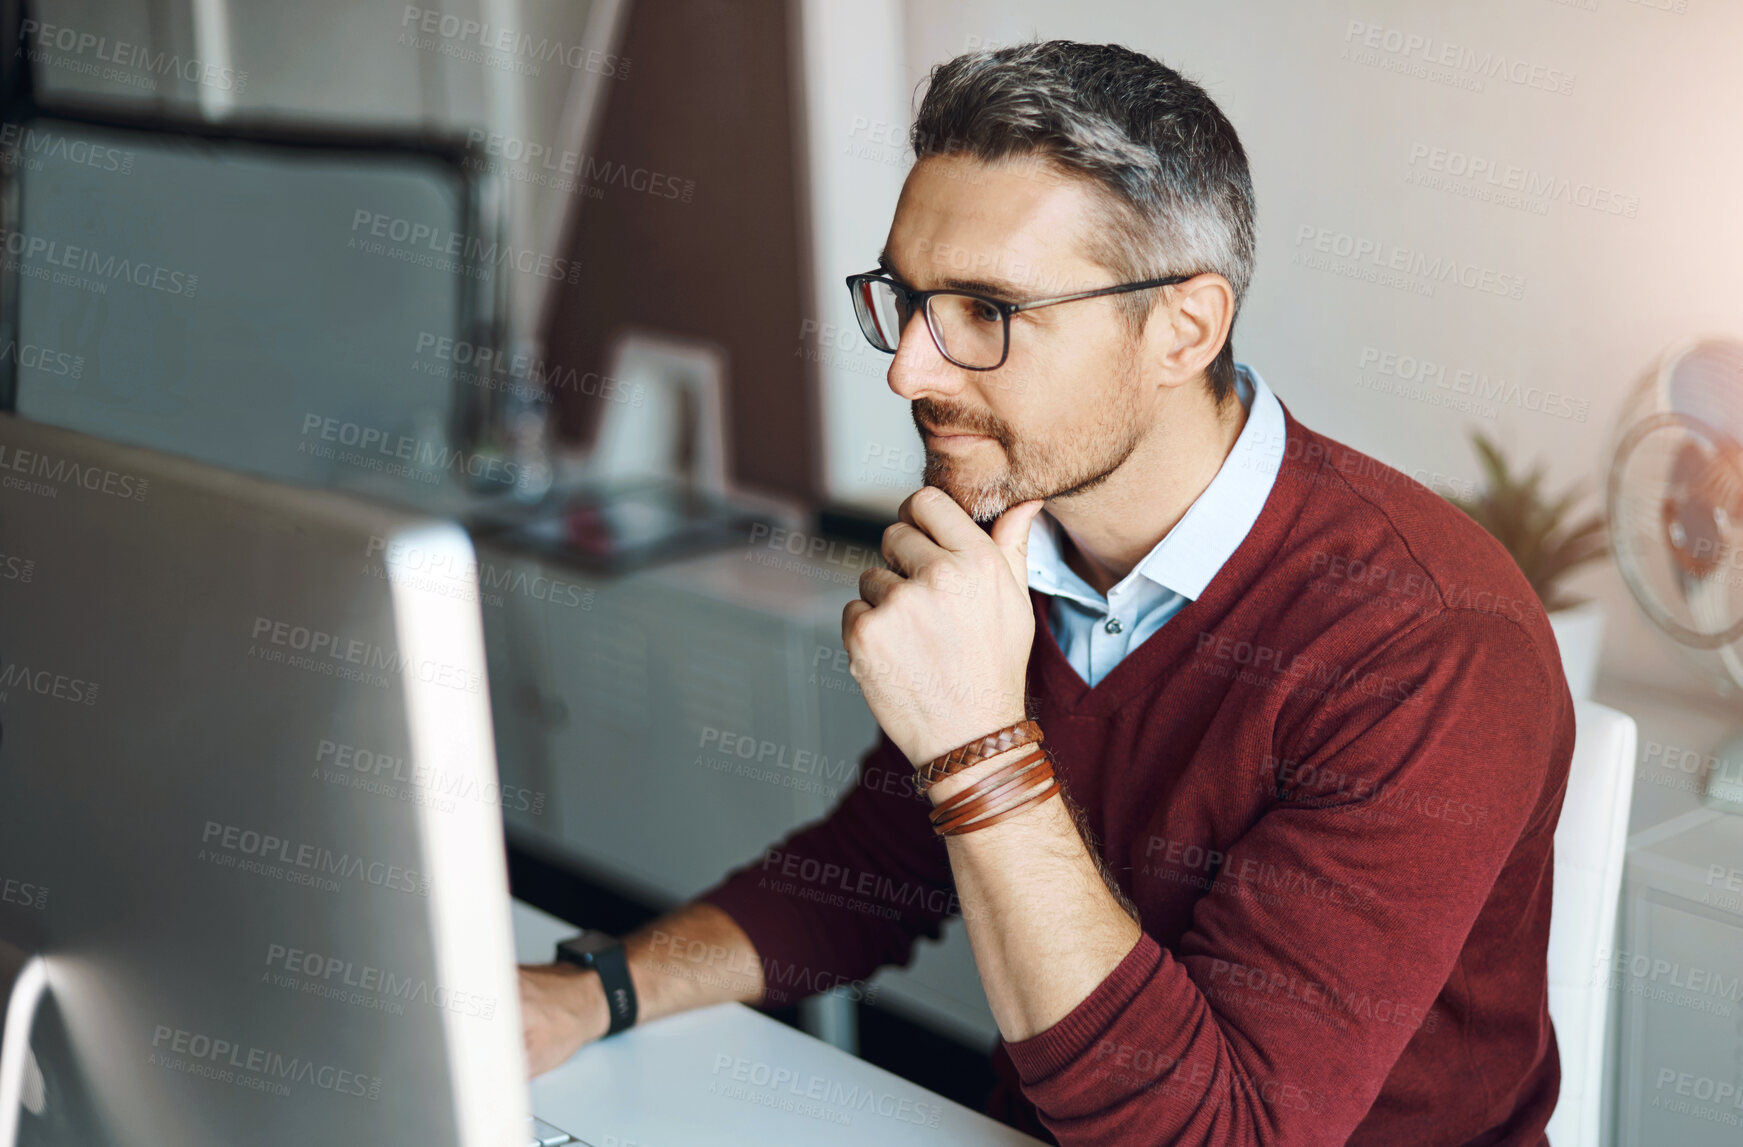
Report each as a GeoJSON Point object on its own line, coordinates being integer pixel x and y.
{"type": "Point", "coordinates": [973, 753]}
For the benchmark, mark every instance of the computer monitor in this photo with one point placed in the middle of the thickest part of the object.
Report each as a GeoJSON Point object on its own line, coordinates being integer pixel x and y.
{"type": "Point", "coordinates": [249, 814]}
{"type": "Point", "coordinates": [276, 302]}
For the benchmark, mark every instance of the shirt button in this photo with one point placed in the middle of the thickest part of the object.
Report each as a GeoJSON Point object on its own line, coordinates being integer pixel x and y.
{"type": "Point", "coordinates": [1113, 625]}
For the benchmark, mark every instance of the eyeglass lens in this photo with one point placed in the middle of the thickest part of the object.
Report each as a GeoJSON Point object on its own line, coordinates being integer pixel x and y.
{"type": "Point", "coordinates": [970, 331]}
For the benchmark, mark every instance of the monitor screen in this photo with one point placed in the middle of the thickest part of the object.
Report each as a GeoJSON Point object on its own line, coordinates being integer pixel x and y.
{"type": "Point", "coordinates": [284, 310]}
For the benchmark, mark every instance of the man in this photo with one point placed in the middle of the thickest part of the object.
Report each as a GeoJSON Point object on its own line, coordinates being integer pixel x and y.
{"type": "Point", "coordinates": [1307, 720]}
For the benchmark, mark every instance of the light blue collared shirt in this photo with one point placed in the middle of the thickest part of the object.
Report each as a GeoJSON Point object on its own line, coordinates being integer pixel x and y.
{"type": "Point", "coordinates": [1094, 632]}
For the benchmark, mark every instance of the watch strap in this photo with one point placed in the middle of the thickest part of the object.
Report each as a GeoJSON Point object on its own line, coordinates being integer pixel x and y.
{"type": "Point", "coordinates": [612, 964]}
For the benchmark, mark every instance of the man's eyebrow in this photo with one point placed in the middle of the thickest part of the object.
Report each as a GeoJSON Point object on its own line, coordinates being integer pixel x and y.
{"type": "Point", "coordinates": [994, 288]}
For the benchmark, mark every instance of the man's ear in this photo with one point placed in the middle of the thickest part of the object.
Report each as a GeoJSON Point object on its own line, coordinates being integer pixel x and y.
{"type": "Point", "coordinates": [1188, 327]}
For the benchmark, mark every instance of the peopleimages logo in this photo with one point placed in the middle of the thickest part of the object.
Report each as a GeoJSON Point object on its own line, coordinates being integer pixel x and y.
{"type": "Point", "coordinates": [1722, 1093]}
{"type": "Point", "coordinates": [118, 60]}
{"type": "Point", "coordinates": [1391, 49]}
{"type": "Point", "coordinates": [46, 683]}
{"type": "Point", "coordinates": [494, 369]}
{"type": "Point", "coordinates": [1527, 182]}
{"type": "Point", "coordinates": [23, 893]}
{"type": "Point", "coordinates": [1649, 969]}
{"type": "Point", "coordinates": [36, 249]}
{"type": "Point", "coordinates": [429, 246]}
{"type": "Point", "coordinates": [792, 1085]}
{"type": "Point", "coordinates": [567, 171]}
{"type": "Point", "coordinates": [510, 42]}
{"type": "Point", "coordinates": [350, 982]}
{"type": "Point", "coordinates": [45, 359]}
{"type": "Point", "coordinates": [229, 840]}
{"type": "Point", "coordinates": [401, 454]}
{"type": "Point", "coordinates": [427, 780]}
{"type": "Point", "coordinates": [197, 1054]}
{"type": "Point", "coordinates": [29, 147]}
{"type": "Point", "coordinates": [318, 649]}
{"type": "Point", "coordinates": [15, 568]}
{"type": "Point", "coordinates": [434, 571]}
{"type": "Point", "coordinates": [61, 471]}
{"type": "Point", "coordinates": [747, 747]}
{"type": "Point", "coordinates": [1365, 254]}
{"type": "Point", "coordinates": [1478, 384]}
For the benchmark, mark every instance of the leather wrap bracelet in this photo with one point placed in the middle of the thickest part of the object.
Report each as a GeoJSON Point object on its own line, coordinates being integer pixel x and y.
{"type": "Point", "coordinates": [964, 756]}
{"type": "Point", "coordinates": [990, 793]}
{"type": "Point", "coordinates": [1038, 796]}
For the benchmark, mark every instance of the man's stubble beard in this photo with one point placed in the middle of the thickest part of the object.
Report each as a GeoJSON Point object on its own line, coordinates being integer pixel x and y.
{"type": "Point", "coordinates": [1050, 468]}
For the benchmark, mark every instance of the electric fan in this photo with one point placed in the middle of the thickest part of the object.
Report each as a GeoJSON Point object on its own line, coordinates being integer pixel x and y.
{"type": "Point", "coordinates": [1675, 508]}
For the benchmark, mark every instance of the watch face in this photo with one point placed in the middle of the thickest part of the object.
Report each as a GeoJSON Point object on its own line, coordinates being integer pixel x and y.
{"type": "Point", "coordinates": [587, 943]}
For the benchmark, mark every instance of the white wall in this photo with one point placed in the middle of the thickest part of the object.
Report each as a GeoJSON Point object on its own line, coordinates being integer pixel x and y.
{"type": "Point", "coordinates": [528, 72]}
{"type": "Point", "coordinates": [854, 76]}
{"type": "Point", "coordinates": [1650, 117]}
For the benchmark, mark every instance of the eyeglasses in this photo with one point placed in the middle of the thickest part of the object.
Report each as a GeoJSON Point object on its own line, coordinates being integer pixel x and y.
{"type": "Point", "coordinates": [972, 331]}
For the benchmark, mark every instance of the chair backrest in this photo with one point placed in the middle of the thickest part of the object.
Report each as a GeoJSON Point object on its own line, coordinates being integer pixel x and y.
{"type": "Point", "coordinates": [1590, 843]}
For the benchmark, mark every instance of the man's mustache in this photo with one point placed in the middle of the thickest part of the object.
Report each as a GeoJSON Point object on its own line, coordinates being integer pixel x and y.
{"type": "Point", "coordinates": [930, 412]}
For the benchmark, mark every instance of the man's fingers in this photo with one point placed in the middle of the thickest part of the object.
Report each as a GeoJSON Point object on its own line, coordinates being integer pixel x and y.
{"type": "Point", "coordinates": [1011, 531]}
{"type": "Point", "coordinates": [932, 510]}
{"type": "Point", "coordinates": [848, 613]}
{"type": "Point", "coordinates": [876, 583]}
{"type": "Point", "coordinates": [907, 548]}
{"type": "Point", "coordinates": [1011, 534]}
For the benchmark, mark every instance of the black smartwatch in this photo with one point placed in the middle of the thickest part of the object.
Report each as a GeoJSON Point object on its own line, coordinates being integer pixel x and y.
{"type": "Point", "coordinates": [603, 953]}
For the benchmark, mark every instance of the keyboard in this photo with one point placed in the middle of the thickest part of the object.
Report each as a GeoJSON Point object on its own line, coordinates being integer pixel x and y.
{"type": "Point", "coordinates": [544, 1135]}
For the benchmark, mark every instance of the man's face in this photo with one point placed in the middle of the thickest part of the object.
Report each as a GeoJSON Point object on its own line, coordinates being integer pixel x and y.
{"type": "Point", "coordinates": [1067, 407]}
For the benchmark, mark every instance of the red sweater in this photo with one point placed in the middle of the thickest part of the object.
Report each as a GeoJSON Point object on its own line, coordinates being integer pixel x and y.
{"type": "Point", "coordinates": [1329, 786]}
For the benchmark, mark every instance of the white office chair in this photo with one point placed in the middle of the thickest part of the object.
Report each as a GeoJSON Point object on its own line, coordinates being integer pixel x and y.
{"type": "Point", "coordinates": [1590, 842]}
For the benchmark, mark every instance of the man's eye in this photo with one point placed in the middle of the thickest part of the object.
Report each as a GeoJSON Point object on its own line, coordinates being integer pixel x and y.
{"type": "Point", "coordinates": [985, 311]}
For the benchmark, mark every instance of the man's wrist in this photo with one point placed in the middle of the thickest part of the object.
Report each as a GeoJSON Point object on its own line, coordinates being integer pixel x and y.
{"type": "Point", "coordinates": [595, 1009]}
{"type": "Point", "coordinates": [605, 956]}
{"type": "Point", "coordinates": [582, 996]}
{"type": "Point", "coordinates": [939, 744]}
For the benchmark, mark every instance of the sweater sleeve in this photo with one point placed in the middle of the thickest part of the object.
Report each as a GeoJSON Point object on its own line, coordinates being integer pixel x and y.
{"type": "Point", "coordinates": [1337, 918]}
{"type": "Point", "coordinates": [838, 899]}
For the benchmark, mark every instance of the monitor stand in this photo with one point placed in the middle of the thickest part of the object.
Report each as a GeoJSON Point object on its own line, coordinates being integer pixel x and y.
{"type": "Point", "coordinates": [23, 983]}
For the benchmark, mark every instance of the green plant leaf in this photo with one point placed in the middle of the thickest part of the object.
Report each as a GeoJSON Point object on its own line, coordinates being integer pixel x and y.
{"type": "Point", "coordinates": [1532, 527]}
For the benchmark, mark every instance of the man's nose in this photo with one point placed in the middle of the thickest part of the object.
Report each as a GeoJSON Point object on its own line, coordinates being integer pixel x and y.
{"type": "Point", "coordinates": [918, 368]}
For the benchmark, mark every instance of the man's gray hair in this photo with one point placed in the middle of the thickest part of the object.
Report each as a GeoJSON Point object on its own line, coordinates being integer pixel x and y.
{"type": "Point", "coordinates": [1177, 195]}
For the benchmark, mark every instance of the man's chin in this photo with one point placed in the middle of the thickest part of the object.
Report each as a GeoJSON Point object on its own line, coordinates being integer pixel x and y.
{"type": "Point", "coordinates": [983, 505]}
{"type": "Point", "coordinates": [983, 501]}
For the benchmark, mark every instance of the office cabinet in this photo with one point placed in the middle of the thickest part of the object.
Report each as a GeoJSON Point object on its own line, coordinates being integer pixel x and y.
{"type": "Point", "coordinates": [1678, 973]}
{"type": "Point", "coordinates": [674, 722]}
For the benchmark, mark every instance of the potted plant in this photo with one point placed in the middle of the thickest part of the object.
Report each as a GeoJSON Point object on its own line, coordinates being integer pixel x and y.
{"type": "Point", "coordinates": [1547, 547]}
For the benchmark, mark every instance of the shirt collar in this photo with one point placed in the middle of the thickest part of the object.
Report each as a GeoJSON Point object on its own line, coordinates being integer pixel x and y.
{"type": "Point", "coordinates": [1212, 528]}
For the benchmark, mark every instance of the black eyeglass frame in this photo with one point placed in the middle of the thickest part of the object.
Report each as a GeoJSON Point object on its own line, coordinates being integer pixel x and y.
{"type": "Point", "coordinates": [922, 301]}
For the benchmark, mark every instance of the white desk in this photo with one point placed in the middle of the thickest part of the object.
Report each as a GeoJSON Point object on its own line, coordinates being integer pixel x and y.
{"type": "Point", "coordinates": [730, 1076]}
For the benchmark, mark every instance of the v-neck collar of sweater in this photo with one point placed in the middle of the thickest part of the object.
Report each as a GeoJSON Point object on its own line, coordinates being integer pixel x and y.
{"type": "Point", "coordinates": [1138, 670]}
